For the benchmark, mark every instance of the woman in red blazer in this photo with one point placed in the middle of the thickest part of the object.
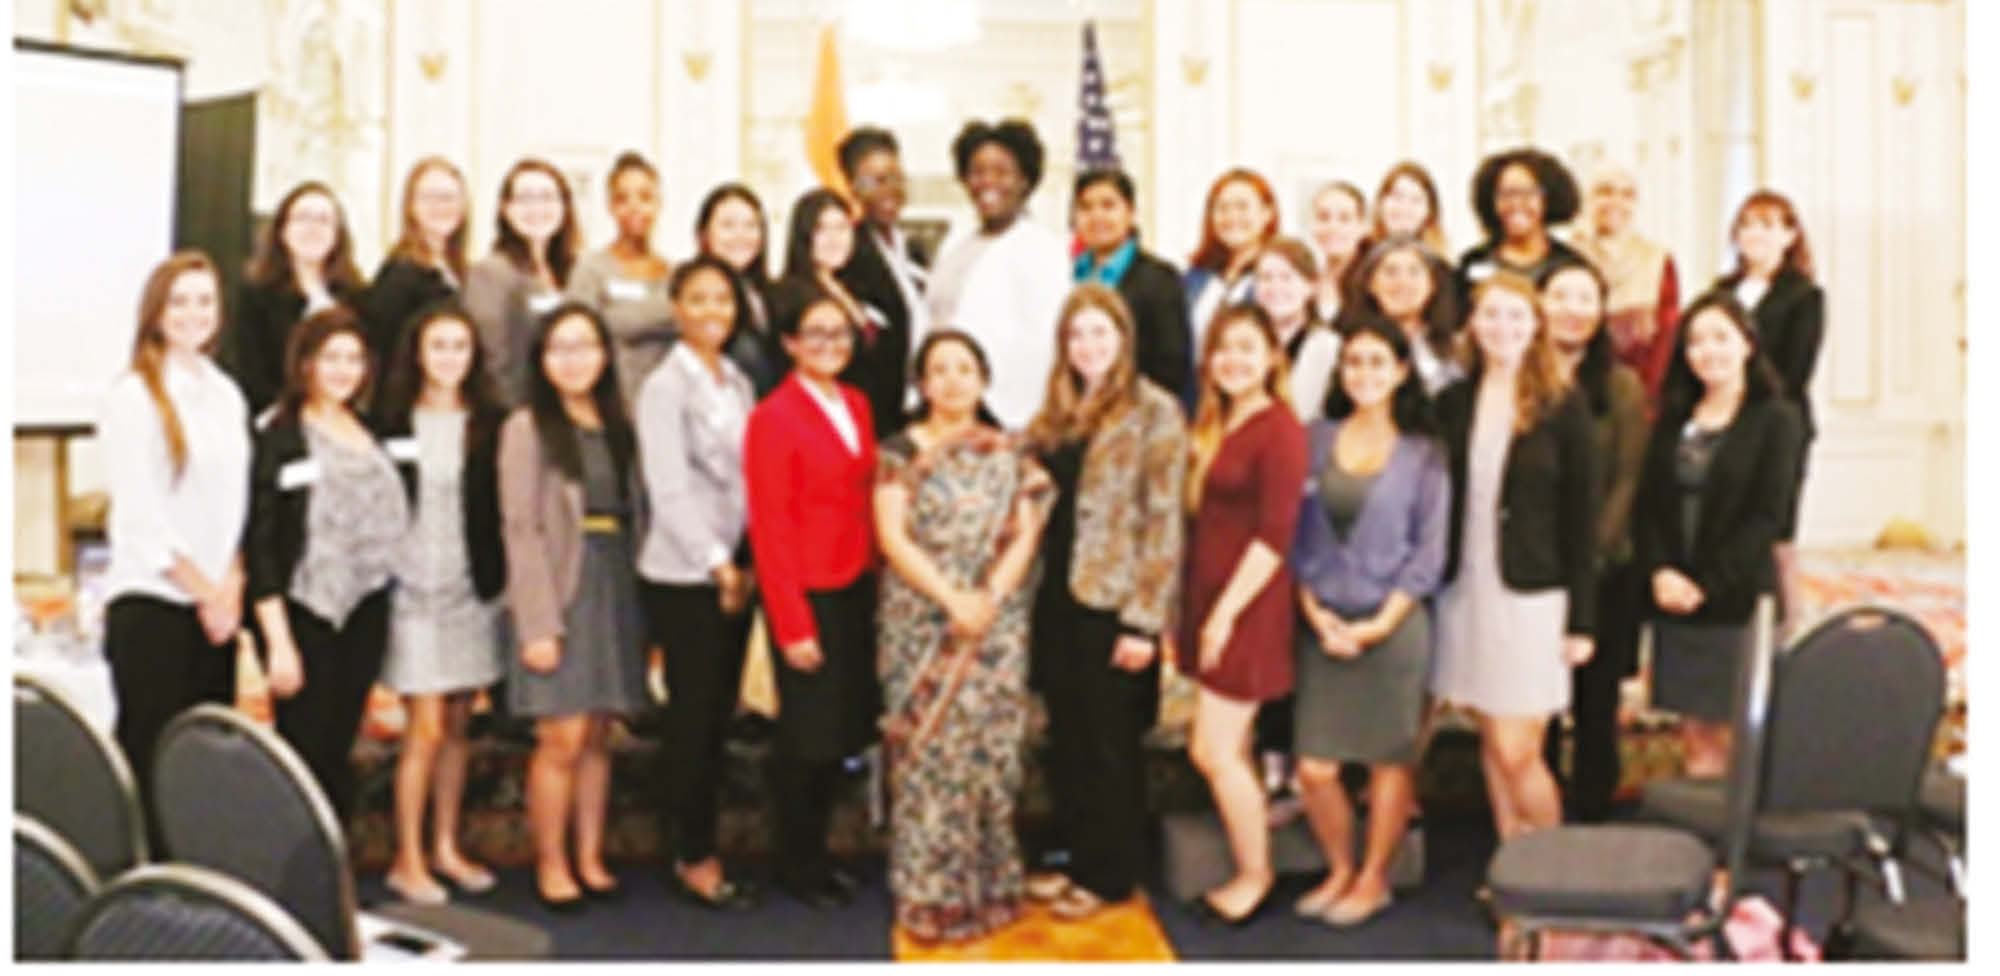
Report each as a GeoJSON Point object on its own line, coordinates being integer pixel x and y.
{"type": "Point", "coordinates": [809, 465]}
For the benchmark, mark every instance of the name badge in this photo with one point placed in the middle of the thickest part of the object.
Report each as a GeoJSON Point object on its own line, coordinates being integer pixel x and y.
{"type": "Point", "coordinates": [401, 448]}
{"type": "Point", "coordinates": [298, 474]}
{"type": "Point", "coordinates": [544, 303]}
{"type": "Point", "coordinates": [624, 290]}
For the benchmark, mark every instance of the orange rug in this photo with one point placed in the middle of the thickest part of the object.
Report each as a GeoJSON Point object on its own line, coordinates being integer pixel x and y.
{"type": "Point", "coordinates": [1124, 932]}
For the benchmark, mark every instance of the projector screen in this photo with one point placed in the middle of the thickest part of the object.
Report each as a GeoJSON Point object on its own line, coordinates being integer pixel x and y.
{"type": "Point", "coordinates": [97, 139]}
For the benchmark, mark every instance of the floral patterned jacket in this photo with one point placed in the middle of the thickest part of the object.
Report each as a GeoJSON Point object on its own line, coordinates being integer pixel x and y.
{"type": "Point", "coordinates": [1129, 529]}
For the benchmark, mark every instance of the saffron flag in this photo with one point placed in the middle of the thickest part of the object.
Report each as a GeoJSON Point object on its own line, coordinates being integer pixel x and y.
{"type": "Point", "coordinates": [826, 121]}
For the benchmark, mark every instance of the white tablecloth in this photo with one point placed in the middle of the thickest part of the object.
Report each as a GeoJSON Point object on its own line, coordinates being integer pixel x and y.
{"type": "Point", "coordinates": [85, 682]}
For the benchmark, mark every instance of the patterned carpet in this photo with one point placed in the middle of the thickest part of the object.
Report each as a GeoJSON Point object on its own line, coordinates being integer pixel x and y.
{"type": "Point", "coordinates": [1124, 932]}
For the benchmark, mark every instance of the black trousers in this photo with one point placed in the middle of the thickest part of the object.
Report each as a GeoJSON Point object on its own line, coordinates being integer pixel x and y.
{"type": "Point", "coordinates": [1594, 764]}
{"type": "Point", "coordinates": [1097, 716]}
{"type": "Point", "coordinates": [162, 664]}
{"type": "Point", "coordinates": [340, 665]}
{"type": "Point", "coordinates": [704, 655]}
{"type": "Point", "coordinates": [824, 716]}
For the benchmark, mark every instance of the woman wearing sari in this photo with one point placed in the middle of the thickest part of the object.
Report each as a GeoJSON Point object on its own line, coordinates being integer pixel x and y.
{"type": "Point", "coordinates": [959, 509]}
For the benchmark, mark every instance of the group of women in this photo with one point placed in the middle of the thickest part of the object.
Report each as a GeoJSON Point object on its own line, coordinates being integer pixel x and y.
{"type": "Point", "coordinates": [1340, 483]}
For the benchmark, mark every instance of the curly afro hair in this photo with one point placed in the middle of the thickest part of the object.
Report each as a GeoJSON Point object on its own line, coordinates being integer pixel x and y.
{"type": "Point", "coordinates": [1014, 135]}
{"type": "Point", "coordinates": [1560, 198]}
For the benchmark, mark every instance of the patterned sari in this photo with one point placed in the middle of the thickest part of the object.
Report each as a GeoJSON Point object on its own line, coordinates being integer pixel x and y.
{"type": "Point", "coordinates": [955, 712]}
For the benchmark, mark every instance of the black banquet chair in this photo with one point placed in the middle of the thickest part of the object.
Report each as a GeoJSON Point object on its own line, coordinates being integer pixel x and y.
{"type": "Point", "coordinates": [73, 778]}
{"type": "Point", "coordinates": [1855, 706]}
{"type": "Point", "coordinates": [177, 912]}
{"type": "Point", "coordinates": [1651, 880]}
{"type": "Point", "coordinates": [51, 884]}
{"type": "Point", "coordinates": [232, 796]}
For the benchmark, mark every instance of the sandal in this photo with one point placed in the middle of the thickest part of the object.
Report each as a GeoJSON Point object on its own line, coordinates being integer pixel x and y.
{"type": "Point", "coordinates": [1046, 885]}
{"type": "Point", "coordinates": [1076, 904]}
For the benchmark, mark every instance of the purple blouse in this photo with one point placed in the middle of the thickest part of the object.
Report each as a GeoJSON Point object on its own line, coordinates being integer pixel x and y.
{"type": "Point", "coordinates": [1396, 542]}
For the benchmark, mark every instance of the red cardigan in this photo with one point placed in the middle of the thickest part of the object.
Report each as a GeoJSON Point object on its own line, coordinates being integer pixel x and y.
{"type": "Point", "coordinates": [811, 502]}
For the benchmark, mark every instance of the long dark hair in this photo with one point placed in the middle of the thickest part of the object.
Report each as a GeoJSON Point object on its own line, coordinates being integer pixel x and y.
{"type": "Point", "coordinates": [1594, 372]}
{"type": "Point", "coordinates": [1438, 327]}
{"type": "Point", "coordinates": [1681, 389]}
{"type": "Point", "coordinates": [312, 334]}
{"type": "Point", "coordinates": [1409, 407]}
{"type": "Point", "coordinates": [403, 378]}
{"type": "Point", "coordinates": [805, 221]}
{"type": "Point", "coordinates": [756, 273]}
{"type": "Point", "coordinates": [563, 244]}
{"type": "Point", "coordinates": [270, 264]}
{"type": "Point", "coordinates": [922, 360]}
{"type": "Point", "coordinates": [552, 424]}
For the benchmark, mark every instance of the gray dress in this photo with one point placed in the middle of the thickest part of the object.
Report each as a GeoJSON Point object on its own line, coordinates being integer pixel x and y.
{"type": "Point", "coordinates": [1499, 650]}
{"type": "Point", "coordinates": [638, 313]}
{"type": "Point", "coordinates": [442, 638]}
{"type": "Point", "coordinates": [603, 664]}
{"type": "Point", "coordinates": [1366, 708]}
{"type": "Point", "coordinates": [1694, 664]}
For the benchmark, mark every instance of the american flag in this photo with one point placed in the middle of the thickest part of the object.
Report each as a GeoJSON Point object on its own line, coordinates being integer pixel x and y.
{"type": "Point", "coordinates": [1096, 143]}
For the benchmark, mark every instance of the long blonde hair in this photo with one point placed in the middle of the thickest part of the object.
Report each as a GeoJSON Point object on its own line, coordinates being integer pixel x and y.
{"type": "Point", "coordinates": [1067, 414]}
{"type": "Point", "coordinates": [149, 342]}
{"type": "Point", "coordinates": [1211, 414]}
{"type": "Point", "coordinates": [1542, 382]}
{"type": "Point", "coordinates": [411, 242]}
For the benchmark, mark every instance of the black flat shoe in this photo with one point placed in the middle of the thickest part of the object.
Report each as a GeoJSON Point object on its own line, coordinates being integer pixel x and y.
{"type": "Point", "coordinates": [728, 897]}
{"type": "Point", "coordinates": [561, 906]}
{"type": "Point", "coordinates": [844, 878]}
{"type": "Point", "coordinates": [1204, 910]}
{"type": "Point", "coordinates": [611, 895]}
{"type": "Point", "coordinates": [819, 891]}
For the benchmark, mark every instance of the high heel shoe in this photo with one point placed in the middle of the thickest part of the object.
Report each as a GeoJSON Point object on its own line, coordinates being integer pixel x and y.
{"type": "Point", "coordinates": [1206, 911]}
{"type": "Point", "coordinates": [727, 897]}
{"type": "Point", "coordinates": [560, 906]}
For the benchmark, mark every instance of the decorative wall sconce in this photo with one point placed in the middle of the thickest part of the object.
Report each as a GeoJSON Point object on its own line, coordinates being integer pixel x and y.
{"type": "Point", "coordinates": [432, 64]}
{"type": "Point", "coordinates": [1440, 75]}
{"type": "Point", "coordinates": [698, 63]}
{"type": "Point", "coordinates": [1803, 85]}
{"type": "Point", "coordinates": [1194, 67]}
{"type": "Point", "coordinates": [1904, 87]}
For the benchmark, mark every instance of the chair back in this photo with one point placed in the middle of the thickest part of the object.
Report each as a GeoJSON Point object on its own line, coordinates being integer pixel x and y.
{"type": "Point", "coordinates": [73, 778]}
{"type": "Point", "coordinates": [233, 797]}
{"type": "Point", "coordinates": [1750, 720]}
{"type": "Point", "coordinates": [1853, 713]}
{"type": "Point", "coordinates": [51, 884]}
{"type": "Point", "coordinates": [182, 912]}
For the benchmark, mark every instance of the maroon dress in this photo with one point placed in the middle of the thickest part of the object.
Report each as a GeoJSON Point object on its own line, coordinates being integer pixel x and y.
{"type": "Point", "coordinates": [1251, 492]}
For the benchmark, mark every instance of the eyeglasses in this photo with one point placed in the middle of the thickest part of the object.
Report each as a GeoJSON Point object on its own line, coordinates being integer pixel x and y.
{"type": "Point", "coordinates": [536, 196]}
{"type": "Point", "coordinates": [1520, 193]}
{"type": "Point", "coordinates": [573, 348]}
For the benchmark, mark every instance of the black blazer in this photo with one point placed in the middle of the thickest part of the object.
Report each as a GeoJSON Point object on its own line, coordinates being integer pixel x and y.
{"type": "Point", "coordinates": [261, 324]}
{"type": "Point", "coordinates": [1791, 322]}
{"type": "Point", "coordinates": [1548, 500]}
{"type": "Point", "coordinates": [276, 537]}
{"type": "Point", "coordinates": [1152, 290]}
{"type": "Point", "coordinates": [1745, 502]}
{"type": "Point", "coordinates": [753, 344]}
{"type": "Point", "coordinates": [880, 370]}
{"type": "Point", "coordinates": [479, 494]}
{"type": "Point", "coordinates": [401, 287]}
{"type": "Point", "coordinates": [1485, 254]}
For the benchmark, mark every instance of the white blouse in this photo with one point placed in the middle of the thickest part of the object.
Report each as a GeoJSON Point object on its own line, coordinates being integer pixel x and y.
{"type": "Point", "coordinates": [154, 515]}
